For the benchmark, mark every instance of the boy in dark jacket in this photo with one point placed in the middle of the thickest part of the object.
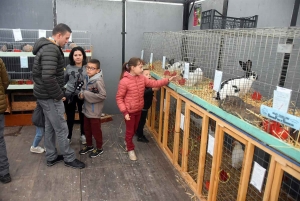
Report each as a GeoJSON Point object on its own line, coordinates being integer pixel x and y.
{"type": "Point", "coordinates": [93, 92]}
{"type": "Point", "coordinates": [148, 97]}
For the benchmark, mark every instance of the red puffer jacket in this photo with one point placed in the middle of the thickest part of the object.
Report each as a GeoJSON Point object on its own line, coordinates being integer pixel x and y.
{"type": "Point", "coordinates": [130, 94]}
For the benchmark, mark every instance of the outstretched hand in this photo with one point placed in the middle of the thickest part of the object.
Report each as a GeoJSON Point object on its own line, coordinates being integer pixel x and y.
{"type": "Point", "coordinates": [172, 78]}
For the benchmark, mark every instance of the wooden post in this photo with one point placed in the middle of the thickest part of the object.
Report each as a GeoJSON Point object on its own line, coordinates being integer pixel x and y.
{"type": "Point", "coordinates": [202, 155]}
{"type": "Point", "coordinates": [186, 134]}
{"type": "Point", "coordinates": [214, 177]}
{"type": "Point", "coordinates": [177, 132]}
{"type": "Point", "coordinates": [246, 171]}
{"type": "Point", "coordinates": [161, 109]}
{"type": "Point", "coordinates": [270, 178]}
{"type": "Point", "coordinates": [277, 179]}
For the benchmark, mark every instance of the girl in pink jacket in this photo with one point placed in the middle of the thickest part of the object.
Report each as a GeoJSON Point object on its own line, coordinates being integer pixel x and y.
{"type": "Point", "coordinates": [130, 97]}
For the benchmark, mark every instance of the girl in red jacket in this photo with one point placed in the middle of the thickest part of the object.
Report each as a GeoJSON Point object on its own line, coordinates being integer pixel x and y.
{"type": "Point", "coordinates": [130, 97]}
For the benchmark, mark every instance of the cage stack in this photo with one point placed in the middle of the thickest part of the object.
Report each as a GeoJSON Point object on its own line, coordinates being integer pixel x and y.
{"type": "Point", "coordinates": [213, 131]}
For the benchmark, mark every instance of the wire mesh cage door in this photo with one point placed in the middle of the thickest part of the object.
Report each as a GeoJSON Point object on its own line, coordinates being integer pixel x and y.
{"type": "Point", "coordinates": [159, 115]}
{"type": "Point", "coordinates": [180, 131]}
{"type": "Point", "coordinates": [206, 156]}
{"type": "Point", "coordinates": [286, 183]}
{"type": "Point", "coordinates": [151, 114]}
{"type": "Point", "coordinates": [228, 162]}
{"type": "Point", "coordinates": [169, 122]}
{"type": "Point", "coordinates": [194, 132]}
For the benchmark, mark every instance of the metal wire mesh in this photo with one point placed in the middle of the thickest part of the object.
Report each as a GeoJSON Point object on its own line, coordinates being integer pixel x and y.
{"type": "Point", "coordinates": [181, 134]}
{"type": "Point", "coordinates": [194, 140]}
{"type": "Point", "coordinates": [208, 159]}
{"type": "Point", "coordinates": [290, 188]}
{"type": "Point", "coordinates": [171, 123]}
{"type": "Point", "coordinates": [11, 50]}
{"type": "Point", "coordinates": [253, 63]}
{"type": "Point", "coordinates": [230, 169]}
{"type": "Point", "coordinates": [263, 159]}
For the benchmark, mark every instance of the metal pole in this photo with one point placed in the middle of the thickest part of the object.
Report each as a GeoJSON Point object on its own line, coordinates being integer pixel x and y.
{"type": "Point", "coordinates": [295, 13]}
{"type": "Point", "coordinates": [123, 29]}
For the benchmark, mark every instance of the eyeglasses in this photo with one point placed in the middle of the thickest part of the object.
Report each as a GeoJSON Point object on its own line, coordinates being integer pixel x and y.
{"type": "Point", "coordinates": [91, 68]}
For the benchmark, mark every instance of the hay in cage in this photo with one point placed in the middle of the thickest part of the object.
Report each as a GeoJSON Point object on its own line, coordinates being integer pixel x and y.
{"type": "Point", "coordinates": [204, 90]}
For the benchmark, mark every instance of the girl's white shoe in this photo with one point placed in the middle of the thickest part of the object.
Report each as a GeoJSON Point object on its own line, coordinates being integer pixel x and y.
{"type": "Point", "coordinates": [37, 149]}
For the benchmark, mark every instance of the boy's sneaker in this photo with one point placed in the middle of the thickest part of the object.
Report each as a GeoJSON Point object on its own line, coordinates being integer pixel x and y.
{"type": "Point", "coordinates": [85, 150]}
{"type": "Point", "coordinates": [57, 160]}
{"type": "Point", "coordinates": [75, 164]}
{"type": "Point", "coordinates": [83, 139]}
{"type": "Point", "coordinates": [142, 139]}
{"type": "Point", "coordinates": [95, 153]}
{"type": "Point", "coordinates": [5, 178]}
{"type": "Point", "coordinates": [132, 155]}
{"type": "Point", "coordinates": [37, 149]}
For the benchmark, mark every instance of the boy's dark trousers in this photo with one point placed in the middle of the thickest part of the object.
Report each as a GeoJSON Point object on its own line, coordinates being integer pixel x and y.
{"type": "Point", "coordinates": [70, 112]}
{"type": "Point", "coordinates": [92, 127]}
{"type": "Point", "coordinates": [140, 132]}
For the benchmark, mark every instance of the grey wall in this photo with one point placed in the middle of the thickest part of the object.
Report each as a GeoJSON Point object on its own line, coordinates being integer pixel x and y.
{"type": "Point", "coordinates": [149, 18]}
{"type": "Point", "coordinates": [104, 20]}
{"type": "Point", "coordinates": [271, 13]}
{"type": "Point", "coordinates": [29, 14]}
{"type": "Point", "coordinates": [206, 5]}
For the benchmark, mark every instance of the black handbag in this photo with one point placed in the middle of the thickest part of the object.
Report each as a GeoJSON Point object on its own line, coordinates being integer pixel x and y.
{"type": "Point", "coordinates": [38, 118]}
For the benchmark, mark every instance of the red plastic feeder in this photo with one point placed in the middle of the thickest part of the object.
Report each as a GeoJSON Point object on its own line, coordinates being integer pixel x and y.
{"type": "Point", "coordinates": [87, 50]}
{"type": "Point", "coordinates": [211, 85]}
{"type": "Point", "coordinates": [256, 96]}
{"type": "Point", "coordinates": [224, 176]}
{"type": "Point", "coordinates": [280, 133]}
{"type": "Point", "coordinates": [20, 81]}
{"type": "Point", "coordinates": [207, 185]}
{"type": "Point", "coordinates": [16, 50]}
{"type": "Point", "coordinates": [173, 74]}
{"type": "Point", "coordinates": [181, 82]}
{"type": "Point", "coordinates": [270, 125]}
{"type": "Point", "coordinates": [29, 82]}
{"type": "Point", "coordinates": [67, 50]}
{"type": "Point", "coordinates": [167, 73]}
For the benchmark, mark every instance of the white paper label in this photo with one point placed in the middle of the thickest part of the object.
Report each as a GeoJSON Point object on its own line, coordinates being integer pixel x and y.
{"type": "Point", "coordinates": [142, 54]}
{"type": "Point", "coordinates": [151, 58]}
{"type": "Point", "coordinates": [186, 70]}
{"type": "Point", "coordinates": [281, 99]}
{"type": "Point", "coordinates": [24, 61]}
{"type": "Point", "coordinates": [258, 176]}
{"type": "Point", "coordinates": [17, 34]}
{"type": "Point", "coordinates": [164, 62]}
{"type": "Point", "coordinates": [210, 145]}
{"type": "Point", "coordinates": [70, 39]}
{"type": "Point", "coordinates": [217, 80]}
{"type": "Point", "coordinates": [285, 48]}
{"type": "Point", "coordinates": [182, 121]}
{"type": "Point", "coordinates": [42, 33]}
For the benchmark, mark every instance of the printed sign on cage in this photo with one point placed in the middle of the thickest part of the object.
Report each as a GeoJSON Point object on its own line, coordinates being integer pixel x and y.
{"type": "Point", "coordinates": [217, 80]}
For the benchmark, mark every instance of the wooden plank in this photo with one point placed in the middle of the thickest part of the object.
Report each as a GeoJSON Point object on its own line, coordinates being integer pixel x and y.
{"type": "Point", "coordinates": [202, 155]}
{"type": "Point", "coordinates": [23, 106]}
{"type": "Point", "coordinates": [161, 110]}
{"type": "Point", "coordinates": [177, 132]}
{"type": "Point", "coordinates": [269, 183]}
{"type": "Point", "coordinates": [166, 121]}
{"type": "Point", "coordinates": [276, 182]}
{"type": "Point", "coordinates": [214, 177]}
{"type": "Point", "coordinates": [185, 146]}
{"type": "Point", "coordinates": [18, 119]}
{"type": "Point", "coordinates": [246, 171]}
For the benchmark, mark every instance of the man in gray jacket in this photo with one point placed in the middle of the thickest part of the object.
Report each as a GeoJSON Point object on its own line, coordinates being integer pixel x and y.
{"type": "Point", "coordinates": [48, 76]}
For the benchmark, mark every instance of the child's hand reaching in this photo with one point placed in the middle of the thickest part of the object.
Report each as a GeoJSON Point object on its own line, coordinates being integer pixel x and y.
{"type": "Point", "coordinates": [127, 117]}
{"type": "Point", "coordinates": [172, 78]}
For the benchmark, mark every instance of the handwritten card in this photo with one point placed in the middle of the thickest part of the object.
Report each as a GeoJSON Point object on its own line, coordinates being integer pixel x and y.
{"type": "Point", "coordinates": [42, 33]}
{"type": "Point", "coordinates": [182, 121]}
{"type": "Point", "coordinates": [142, 54]}
{"type": "Point", "coordinates": [70, 39]}
{"type": "Point", "coordinates": [258, 176]}
{"type": "Point", "coordinates": [24, 61]}
{"type": "Point", "coordinates": [17, 34]}
{"type": "Point", "coordinates": [281, 99]}
{"type": "Point", "coordinates": [151, 58]}
{"type": "Point", "coordinates": [217, 80]}
{"type": "Point", "coordinates": [284, 48]}
{"type": "Point", "coordinates": [210, 145]}
{"type": "Point", "coordinates": [186, 70]}
{"type": "Point", "coordinates": [164, 62]}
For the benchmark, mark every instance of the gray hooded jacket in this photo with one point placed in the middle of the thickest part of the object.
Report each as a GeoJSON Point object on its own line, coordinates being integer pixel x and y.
{"type": "Point", "coordinates": [94, 94]}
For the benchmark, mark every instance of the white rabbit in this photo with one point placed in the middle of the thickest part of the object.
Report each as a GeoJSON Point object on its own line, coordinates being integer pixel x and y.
{"type": "Point", "coordinates": [241, 85]}
{"type": "Point", "coordinates": [194, 77]}
{"type": "Point", "coordinates": [237, 155]}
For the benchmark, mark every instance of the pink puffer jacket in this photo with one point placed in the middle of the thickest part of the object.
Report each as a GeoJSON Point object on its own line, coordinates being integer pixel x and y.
{"type": "Point", "coordinates": [130, 94]}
